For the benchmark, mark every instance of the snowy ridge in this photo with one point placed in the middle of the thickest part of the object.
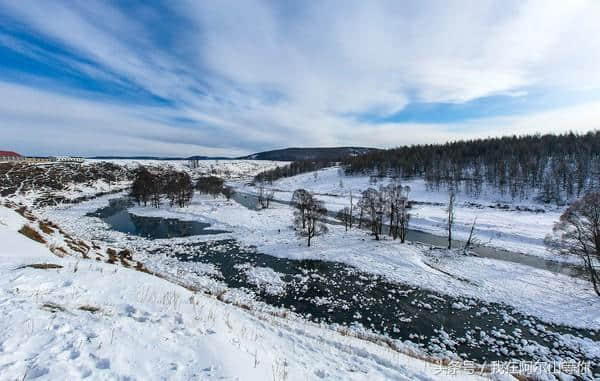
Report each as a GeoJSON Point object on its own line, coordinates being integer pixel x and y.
{"type": "Point", "coordinates": [231, 170]}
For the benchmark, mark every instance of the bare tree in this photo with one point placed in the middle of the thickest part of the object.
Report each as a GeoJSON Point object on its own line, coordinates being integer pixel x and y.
{"type": "Point", "coordinates": [362, 207]}
{"type": "Point", "coordinates": [300, 201]}
{"type": "Point", "coordinates": [265, 196]}
{"type": "Point", "coordinates": [228, 192]}
{"type": "Point", "coordinates": [141, 188]}
{"type": "Point", "coordinates": [392, 197]}
{"type": "Point", "coordinates": [402, 219]}
{"type": "Point", "coordinates": [156, 191]}
{"type": "Point", "coordinates": [351, 210]}
{"type": "Point", "coordinates": [389, 196]}
{"type": "Point", "coordinates": [472, 241]}
{"type": "Point", "coordinates": [269, 195]}
{"type": "Point", "coordinates": [185, 189]}
{"type": "Point", "coordinates": [344, 216]}
{"type": "Point", "coordinates": [578, 232]}
{"type": "Point", "coordinates": [450, 213]}
{"type": "Point", "coordinates": [314, 219]}
{"type": "Point", "coordinates": [261, 194]}
{"type": "Point", "coordinates": [372, 205]}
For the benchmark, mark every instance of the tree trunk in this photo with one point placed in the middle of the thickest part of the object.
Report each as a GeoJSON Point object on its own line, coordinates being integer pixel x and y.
{"type": "Point", "coordinates": [351, 210]}
{"type": "Point", "coordinates": [391, 232]}
{"type": "Point", "coordinates": [593, 275]}
{"type": "Point", "coordinates": [449, 237]}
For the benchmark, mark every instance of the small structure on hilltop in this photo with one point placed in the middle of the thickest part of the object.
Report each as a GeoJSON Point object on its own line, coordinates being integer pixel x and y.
{"type": "Point", "coordinates": [38, 159]}
{"type": "Point", "coordinates": [69, 159]}
{"type": "Point", "coordinates": [10, 156]}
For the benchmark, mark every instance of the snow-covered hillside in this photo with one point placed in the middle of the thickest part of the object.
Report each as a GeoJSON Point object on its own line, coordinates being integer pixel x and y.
{"type": "Point", "coordinates": [231, 170]}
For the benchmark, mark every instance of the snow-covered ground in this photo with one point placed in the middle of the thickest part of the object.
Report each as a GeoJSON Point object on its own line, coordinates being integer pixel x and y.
{"type": "Point", "coordinates": [54, 183]}
{"type": "Point", "coordinates": [94, 320]}
{"type": "Point", "coordinates": [553, 298]}
{"type": "Point", "coordinates": [165, 335]}
{"type": "Point", "coordinates": [514, 230]}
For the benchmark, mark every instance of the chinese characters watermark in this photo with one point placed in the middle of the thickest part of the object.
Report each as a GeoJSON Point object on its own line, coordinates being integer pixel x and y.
{"type": "Point", "coordinates": [457, 367]}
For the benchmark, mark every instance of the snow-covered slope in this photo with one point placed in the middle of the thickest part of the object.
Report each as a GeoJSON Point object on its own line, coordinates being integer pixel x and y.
{"type": "Point", "coordinates": [95, 320]}
{"type": "Point", "coordinates": [231, 170]}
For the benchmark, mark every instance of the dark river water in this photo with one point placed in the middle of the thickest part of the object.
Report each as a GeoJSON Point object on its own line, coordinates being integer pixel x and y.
{"type": "Point", "coordinates": [333, 292]}
{"type": "Point", "coordinates": [119, 219]}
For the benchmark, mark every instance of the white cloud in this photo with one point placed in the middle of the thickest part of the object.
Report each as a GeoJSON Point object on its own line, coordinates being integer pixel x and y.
{"type": "Point", "coordinates": [290, 74]}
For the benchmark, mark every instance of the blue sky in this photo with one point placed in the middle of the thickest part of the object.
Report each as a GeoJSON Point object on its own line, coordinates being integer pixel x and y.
{"type": "Point", "coordinates": [236, 77]}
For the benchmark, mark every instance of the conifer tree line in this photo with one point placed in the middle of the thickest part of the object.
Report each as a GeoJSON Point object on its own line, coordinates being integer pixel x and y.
{"type": "Point", "coordinates": [550, 168]}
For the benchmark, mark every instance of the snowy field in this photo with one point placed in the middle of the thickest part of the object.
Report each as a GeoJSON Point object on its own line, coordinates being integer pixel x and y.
{"type": "Point", "coordinates": [162, 330]}
{"type": "Point", "coordinates": [99, 321]}
{"type": "Point", "coordinates": [514, 230]}
{"type": "Point", "coordinates": [554, 298]}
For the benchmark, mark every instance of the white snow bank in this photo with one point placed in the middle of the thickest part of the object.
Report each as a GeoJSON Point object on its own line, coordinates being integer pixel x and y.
{"type": "Point", "coordinates": [13, 244]}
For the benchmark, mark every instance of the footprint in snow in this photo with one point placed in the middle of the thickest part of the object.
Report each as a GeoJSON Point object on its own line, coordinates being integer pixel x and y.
{"type": "Point", "coordinates": [103, 364]}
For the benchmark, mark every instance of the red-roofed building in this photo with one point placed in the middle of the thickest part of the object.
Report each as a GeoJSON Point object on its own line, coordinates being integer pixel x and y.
{"type": "Point", "coordinates": [10, 156]}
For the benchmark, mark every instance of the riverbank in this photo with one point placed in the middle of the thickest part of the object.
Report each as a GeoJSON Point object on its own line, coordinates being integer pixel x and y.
{"type": "Point", "coordinates": [553, 298]}
{"type": "Point", "coordinates": [515, 225]}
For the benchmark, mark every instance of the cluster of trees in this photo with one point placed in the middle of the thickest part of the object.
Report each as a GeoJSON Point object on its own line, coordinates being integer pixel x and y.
{"type": "Point", "coordinates": [265, 196]}
{"type": "Point", "coordinates": [152, 187]}
{"type": "Point", "coordinates": [292, 169]}
{"type": "Point", "coordinates": [386, 205]}
{"type": "Point", "coordinates": [309, 216]}
{"type": "Point", "coordinates": [553, 168]}
{"type": "Point", "coordinates": [214, 186]}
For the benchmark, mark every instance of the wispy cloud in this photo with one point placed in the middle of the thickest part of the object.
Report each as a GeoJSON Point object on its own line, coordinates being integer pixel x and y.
{"type": "Point", "coordinates": [235, 77]}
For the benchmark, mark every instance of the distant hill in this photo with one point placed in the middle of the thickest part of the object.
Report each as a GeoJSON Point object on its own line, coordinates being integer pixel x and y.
{"type": "Point", "coordinates": [285, 154]}
{"type": "Point", "coordinates": [318, 153]}
{"type": "Point", "coordinates": [157, 158]}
